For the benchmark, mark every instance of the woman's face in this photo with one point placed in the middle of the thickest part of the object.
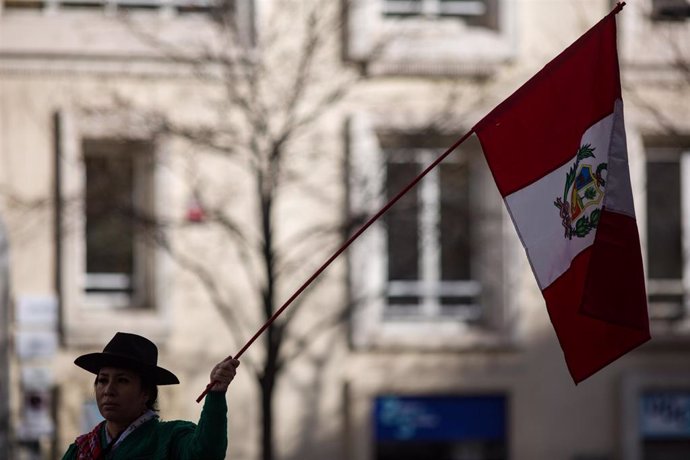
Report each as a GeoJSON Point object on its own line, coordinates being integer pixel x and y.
{"type": "Point", "coordinates": [119, 394]}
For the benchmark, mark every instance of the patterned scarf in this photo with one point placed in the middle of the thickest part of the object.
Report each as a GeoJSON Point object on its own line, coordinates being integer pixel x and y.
{"type": "Point", "coordinates": [89, 444]}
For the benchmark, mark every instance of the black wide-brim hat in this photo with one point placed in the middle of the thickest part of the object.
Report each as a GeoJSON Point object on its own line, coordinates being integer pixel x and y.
{"type": "Point", "coordinates": [129, 351]}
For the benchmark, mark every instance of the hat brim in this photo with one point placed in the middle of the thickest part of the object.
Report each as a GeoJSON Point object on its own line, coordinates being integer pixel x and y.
{"type": "Point", "coordinates": [94, 362]}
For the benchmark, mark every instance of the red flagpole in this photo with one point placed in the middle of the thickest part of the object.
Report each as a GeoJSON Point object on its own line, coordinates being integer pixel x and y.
{"type": "Point", "coordinates": [340, 250]}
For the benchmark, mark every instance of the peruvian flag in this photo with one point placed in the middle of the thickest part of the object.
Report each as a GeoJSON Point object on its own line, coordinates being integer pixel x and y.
{"type": "Point", "coordinates": [557, 151]}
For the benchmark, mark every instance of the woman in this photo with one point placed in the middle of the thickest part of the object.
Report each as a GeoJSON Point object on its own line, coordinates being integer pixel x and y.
{"type": "Point", "coordinates": [126, 390]}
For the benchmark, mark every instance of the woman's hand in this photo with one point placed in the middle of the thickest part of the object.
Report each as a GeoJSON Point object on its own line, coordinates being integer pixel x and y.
{"type": "Point", "coordinates": [223, 373]}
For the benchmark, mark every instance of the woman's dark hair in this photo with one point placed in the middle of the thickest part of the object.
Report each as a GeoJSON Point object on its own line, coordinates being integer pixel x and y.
{"type": "Point", "coordinates": [148, 385]}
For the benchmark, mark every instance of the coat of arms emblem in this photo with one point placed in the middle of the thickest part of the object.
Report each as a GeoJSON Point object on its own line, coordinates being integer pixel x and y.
{"type": "Point", "coordinates": [584, 188]}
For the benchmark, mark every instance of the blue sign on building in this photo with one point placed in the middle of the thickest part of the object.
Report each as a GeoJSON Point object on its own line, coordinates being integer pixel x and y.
{"type": "Point", "coordinates": [665, 414]}
{"type": "Point", "coordinates": [440, 418]}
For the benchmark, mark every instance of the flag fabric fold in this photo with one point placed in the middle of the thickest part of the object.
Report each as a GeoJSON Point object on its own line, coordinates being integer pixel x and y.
{"type": "Point", "coordinates": [557, 151]}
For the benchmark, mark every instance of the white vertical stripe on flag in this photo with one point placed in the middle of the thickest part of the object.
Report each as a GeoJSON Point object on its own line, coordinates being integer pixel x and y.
{"type": "Point", "coordinates": [537, 219]}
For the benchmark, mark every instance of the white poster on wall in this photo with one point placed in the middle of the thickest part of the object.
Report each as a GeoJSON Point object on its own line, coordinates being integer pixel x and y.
{"type": "Point", "coordinates": [37, 310]}
{"type": "Point", "coordinates": [36, 344]}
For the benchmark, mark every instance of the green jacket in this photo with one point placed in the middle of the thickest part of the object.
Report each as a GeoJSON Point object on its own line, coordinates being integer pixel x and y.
{"type": "Point", "coordinates": [178, 440]}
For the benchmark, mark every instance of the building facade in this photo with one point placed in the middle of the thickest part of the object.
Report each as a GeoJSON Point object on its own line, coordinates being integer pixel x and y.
{"type": "Point", "coordinates": [171, 168]}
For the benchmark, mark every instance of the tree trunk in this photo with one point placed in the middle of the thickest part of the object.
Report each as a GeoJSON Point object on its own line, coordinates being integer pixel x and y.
{"type": "Point", "coordinates": [267, 385]}
{"type": "Point", "coordinates": [274, 332]}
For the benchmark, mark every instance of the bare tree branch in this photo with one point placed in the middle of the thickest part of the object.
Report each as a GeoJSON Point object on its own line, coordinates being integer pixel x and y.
{"type": "Point", "coordinates": [236, 322]}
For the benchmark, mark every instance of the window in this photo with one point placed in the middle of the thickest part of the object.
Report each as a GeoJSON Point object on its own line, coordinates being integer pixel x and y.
{"type": "Point", "coordinates": [110, 191]}
{"type": "Point", "coordinates": [667, 198]}
{"type": "Point", "coordinates": [181, 6]}
{"type": "Point", "coordinates": [670, 10]}
{"type": "Point", "coordinates": [429, 273]}
{"type": "Point", "coordinates": [429, 241]}
{"type": "Point", "coordinates": [117, 207]}
{"type": "Point", "coordinates": [242, 11]}
{"type": "Point", "coordinates": [475, 12]}
{"type": "Point", "coordinates": [430, 37]}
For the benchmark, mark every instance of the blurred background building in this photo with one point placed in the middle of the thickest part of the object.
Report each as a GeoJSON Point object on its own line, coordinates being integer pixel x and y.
{"type": "Point", "coordinates": [177, 168]}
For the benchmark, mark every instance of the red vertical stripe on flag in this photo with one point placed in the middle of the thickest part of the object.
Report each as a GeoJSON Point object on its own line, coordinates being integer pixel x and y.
{"type": "Point", "coordinates": [614, 292]}
{"type": "Point", "coordinates": [615, 284]}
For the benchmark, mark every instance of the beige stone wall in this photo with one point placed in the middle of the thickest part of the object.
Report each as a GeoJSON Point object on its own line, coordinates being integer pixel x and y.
{"type": "Point", "coordinates": [323, 403]}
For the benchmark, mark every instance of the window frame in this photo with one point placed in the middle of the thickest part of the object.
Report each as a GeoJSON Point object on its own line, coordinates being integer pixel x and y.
{"type": "Point", "coordinates": [140, 281]}
{"type": "Point", "coordinates": [430, 286]}
{"type": "Point", "coordinates": [180, 7]}
{"type": "Point", "coordinates": [83, 321]}
{"type": "Point", "coordinates": [368, 266]}
{"type": "Point", "coordinates": [670, 10]}
{"type": "Point", "coordinates": [435, 8]}
{"type": "Point", "coordinates": [428, 44]}
{"type": "Point", "coordinates": [673, 286]}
